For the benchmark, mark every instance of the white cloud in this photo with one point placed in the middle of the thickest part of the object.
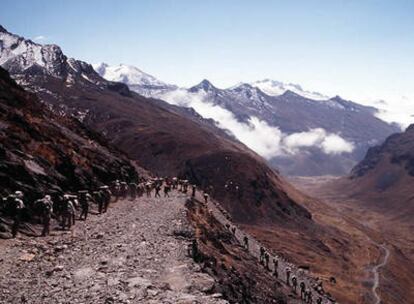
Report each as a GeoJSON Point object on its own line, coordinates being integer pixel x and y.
{"type": "Point", "coordinates": [258, 135]}
{"type": "Point", "coordinates": [40, 38]}
{"type": "Point", "coordinates": [328, 142]}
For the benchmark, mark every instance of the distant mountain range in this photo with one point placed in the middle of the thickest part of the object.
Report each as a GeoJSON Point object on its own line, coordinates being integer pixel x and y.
{"type": "Point", "coordinates": [297, 131]}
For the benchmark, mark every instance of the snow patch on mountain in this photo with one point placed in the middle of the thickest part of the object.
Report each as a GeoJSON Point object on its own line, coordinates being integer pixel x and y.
{"type": "Point", "coordinates": [137, 80]}
{"type": "Point", "coordinates": [127, 74]}
{"type": "Point", "coordinates": [276, 88]}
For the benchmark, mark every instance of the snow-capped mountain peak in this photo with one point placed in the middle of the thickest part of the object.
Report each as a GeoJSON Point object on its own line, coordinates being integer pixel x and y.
{"type": "Point", "coordinates": [137, 80]}
{"type": "Point", "coordinates": [205, 85]}
{"type": "Point", "coordinates": [127, 74]}
{"type": "Point", "coordinates": [276, 88]}
{"type": "Point", "coordinates": [23, 56]}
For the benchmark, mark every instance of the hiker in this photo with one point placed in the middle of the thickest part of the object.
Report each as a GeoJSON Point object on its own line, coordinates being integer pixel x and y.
{"type": "Point", "coordinates": [288, 271]}
{"type": "Point", "coordinates": [116, 189]}
{"type": "Point", "coordinates": [294, 283]}
{"type": "Point", "coordinates": [167, 189]}
{"type": "Point", "coordinates": [17, 204]}
{"type": "Point", "coordinates": [148, 188]}
{"type": "Point", "coordinates": [106, 197]}
{"type": "Point", "coordinates": [157, 190]}
{"type": "Point", "coordinates": [308, 296]}
{"type": "Point", "coordinates": [124, 190]}
{"type": "Point", "coordinates": [205, 195]}
{"type": "Point", "coordinates": [174, 183]}
{"type": "Point", "coordinates": [246, 242]}
{"type": "Point", "coordinates": [266, 256]}
{"type": "Point", "coordinates": [275, 266]}
{"type": "Point", "coordinates": [193, 250]}
{"type": "Point", "coordinates": [319, 300]}
{"type": "Point", "coordinates": [193, 190]}
{"type": "Point", "coordinates": [84, 199]}
{"type": "Point", "coordinates": [99, 199]}
{"type": "Point", "coordinates": [68, 217]}
{"type": "Point", "coordinates": [302, 290]}
{"type": "Point", "coordinates": [133, 191]}
{"type": "Point", "coordinates": [46, 208]}
{"type": "Point", "coordinates": [310, 300]}
{"type": "Point", "coordinates": [261, 257]}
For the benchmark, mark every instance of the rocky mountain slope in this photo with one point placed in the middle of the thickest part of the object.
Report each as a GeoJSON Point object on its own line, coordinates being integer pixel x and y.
{"type": "Point", "coordinates": [331, 134]}
{"type": "Point", "coordinates": [41, 151]}
{"type": "Point", "coordinates": [385, 177]}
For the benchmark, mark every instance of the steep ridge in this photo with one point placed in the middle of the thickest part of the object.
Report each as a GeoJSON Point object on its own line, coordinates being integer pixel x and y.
{"type": "Point", "coordinates": [41, 151]}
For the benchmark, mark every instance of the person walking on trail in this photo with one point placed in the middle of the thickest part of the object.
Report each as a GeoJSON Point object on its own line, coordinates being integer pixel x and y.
{"type": "Point", "coordinates": [157, 190]}
{"type": "Point", "coordinates": [193, 250]}
{"type": "Point", "coordinates": [106, 194]}
{"type": "Point", "coordinates": [84, 199]}
{"type": "Point", "coordinates": [133, 191]}
{"type": "Point", "coordinates": [116, 189]}
{"type": "Point", "coordinates": [266, 256]}
{"type": "Point", "coordinates": [68, 218]}
{"type": "Point", "coordinates": [288, 271]}
{"type": "Point", "coordinates": [275, 266]}
{"type": "Point", "coordinates": [246, 242]}
{"type": "Point", "coordinates": [98, 198]}
{"type": "Point", "coordinates": [124, 190]}
{"type": "Point", "coordinates": [205, 195]}
{"type": "Point", "coordinates": [308, 296]}
{"type": "Point", "coordinates": [17, 206]}
{"type": "Point", "coordinates": [167, 189]}
{"type": "Point", "coordinates": [45, 206]}
{"type": "Point", "coordinates": [193, 190]}
{"type": "Point", "coordinates": [174, 183]}
{"type": "Point", "coordinates": [319, 300]}
{"type": "Point", "coordinates": [261, 256]}
{"type": "Point", "coordinates": [148, 189]}
{"type": "Point", "coordinates": [310, 300]}
{"type": "Point", "coordinates": [294, 283]}
{"type": "Point", "coordinates": [302, 290]}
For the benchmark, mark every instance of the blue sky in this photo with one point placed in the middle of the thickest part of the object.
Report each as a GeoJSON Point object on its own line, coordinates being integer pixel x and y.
{"type": "Point", "coordinates": [362, 50]}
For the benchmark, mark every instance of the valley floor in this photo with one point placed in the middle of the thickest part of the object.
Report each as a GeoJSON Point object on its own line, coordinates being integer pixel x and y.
{"type": "Point", "coordinates": [390, 274]}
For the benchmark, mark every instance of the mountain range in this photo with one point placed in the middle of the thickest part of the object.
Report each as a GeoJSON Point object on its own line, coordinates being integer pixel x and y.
{"type": "Point", "coordinates": [297, 131]}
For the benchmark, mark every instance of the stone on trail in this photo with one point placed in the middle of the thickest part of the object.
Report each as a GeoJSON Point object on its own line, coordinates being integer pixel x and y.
{"type": "Point", "coordinates": [138, 282]}
{"type": "Point", "coordinates": [27, 257]}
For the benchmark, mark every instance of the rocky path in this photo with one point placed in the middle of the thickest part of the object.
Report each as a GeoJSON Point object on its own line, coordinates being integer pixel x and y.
{"type": "Point", "coordinates": [376, 273]}
{"type": "Point", "coordinates": [128, 255]}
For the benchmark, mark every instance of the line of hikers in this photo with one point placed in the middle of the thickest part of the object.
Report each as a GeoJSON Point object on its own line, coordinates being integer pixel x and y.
{"type": "Point", "coordinates": [306, 294]}
{"type": "Point", "coordinates": [64, 206]}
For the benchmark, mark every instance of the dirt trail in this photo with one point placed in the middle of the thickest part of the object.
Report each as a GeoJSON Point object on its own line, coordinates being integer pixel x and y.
{"type": "Point", "coordinates": [376, 273]}
{"type": "Point", "coordinates": [128, 255]}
